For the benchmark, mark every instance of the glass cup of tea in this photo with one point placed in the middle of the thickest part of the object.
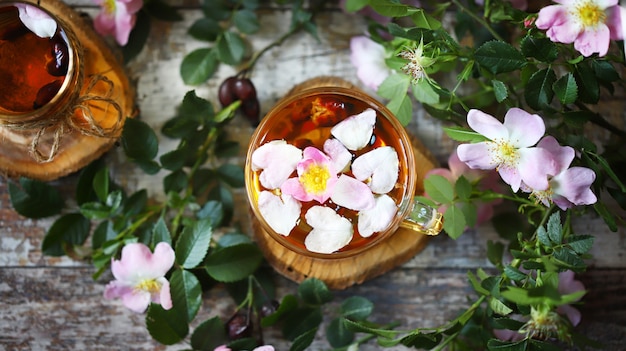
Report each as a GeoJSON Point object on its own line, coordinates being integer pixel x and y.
{"type": "Point", "coordinates": [330, 172]}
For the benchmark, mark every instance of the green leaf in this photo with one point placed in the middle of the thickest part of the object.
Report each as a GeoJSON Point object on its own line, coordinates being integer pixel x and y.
{"type": "Point", "coordinates": [175, 159]}
{"type": "Point", "coordinates": [588, 85]}
{"type": "Point", "coordinates": [542, 236]}
{"type": "Point", "coordinates": [394, 85]}
{"type": "Point", "coordinates": [422, 19]}
{"type": "Point", "coordinates": [301, 321]}
{"type": "Point", "coordinates": [454, 222]}
{"type": "Point", "coordinates": [423, 92]}
{"type": "Point", "coordinates": [402, 108]}
{"type": "Point", "coordinates": [34, 199]}
{"type": "Point", "coordinates": [231, 174]}
{"type": "Point", "coordinates": [514, 273]}
{"type": "Point", "coordinates": [499, 57]}
{"type": "Point", "coordinates": [212, 210]}
{"type": "Point", "coordinates": [368, 328]}
{"type": "Point", "coordinates": [160, 232]}
{"type": "Point", "coordinates": [139, 140]}
{"type": "Point", "coordinates": [138, 36]}
{"type": "Point", "coordinates": [186, 292]}
{"type": "Point", "coordinates": [136, 203]}
{"type": "Point", "coordinates": [102, 233]}
{"type": "Point", "coordinates": [495, 251]}
{"type": "Point", "coordinates": [209, 335]}
{"type": "Point", "coordinates": [205, 29]}
{"type": "Point", "coordinates": [162, 11]}
{"type": "Point", "coordinates": [356, 308]}
{"type": "Point", "coordinates": [543, 49]}
{"type": "Point", "coordinates": [555, 229]}
{"type": "Point", "coordinates": [499, 307]}
{"type": "Point", "coordinates": [193, 243]}
{"type": "Point", "coordinates": [476, 284]}
{"type": "Point", "coordinates": [421, 340]}
{"type": "Point", "coordinates": [288, 304]}
{"type": "Point", "coordinates": [233, 263]}
{"type": "Point", "coordinates": [463, 188]}
{"type": "Point", "coordinates": [175, 182]}
{"type": "Point", "coordinates": [439, 189]}
{"type": "Point", "coordinates": [355, 5]}
{"type": "Point", "coordinates": [463, 135]}
{"type": "Point", "coordinates": [303, 341]}
{"type": "Point", "coordinates": [84, 184]}
{"type": "Point", "coordinates": [198, 66]}
{"type": "Point", "coordinates": [581, 244]}
{"type": "Point", "coordinates": [337, 334]}
{"type": "Point", "coordinates": [566, 89]}
{"type": "Point", "coordinates": [230, 48]}
{"type": "Point", "coordinates": [70, 228]}
{"type": "Point", "coordinates": [499, 90]}
{"type": "Point", "coordinates": [538, 93]}
{"type": "Point", "coordinates": [498, 345]}
{"type": "Point", "coordinates": [314, 292]}
{"type": "Point", "coordinates": [389, 8]}
{"type": "Point", "coordinates": [166, 326]}
{"type": "Point", "coordinates": [246, 21]}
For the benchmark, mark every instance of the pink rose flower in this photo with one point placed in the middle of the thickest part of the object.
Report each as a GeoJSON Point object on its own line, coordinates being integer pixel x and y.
{"type": "Point", "coordinates": [509, 148]}
{"type": "Point", "coordinates": [140, 276]}
{"type": "Point", "coordinates": [589, 24]}
{"type": "Point", "coordinates": [117, 18]}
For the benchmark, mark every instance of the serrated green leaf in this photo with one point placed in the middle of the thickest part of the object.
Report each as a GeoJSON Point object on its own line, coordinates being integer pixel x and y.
{"type": "Point", "coordinates": [421, 340]}
{"type": "Point", "coordinates": [198, 66]}
{"type": "Point", "coordinates": [514, 273]}
{"type": "Point", "coordinates": [135, 203]}
{"type": "Point", "coordinates": [212, 210]}
{"type": "Point", "coordinates": [538, 92]}
{"type": "Point", "coordinates": [543, 49]}
{"type": "Point", "coordinates": [35, 199]}
{"type": "Point", "coordinates": [160, 232]}
{"type": "Point", "coordinates": [166, 326]}
{"type": "Point", "coordinates": [580, 243]}
{"type": "Point", "coordinates": [139, 140]}
{"type": "Point", "coordinates": [205, 29]}
{"type": "Point", "coordinates": [365, 327]}
{"type": "Point", "coordinates": [495, 251]}
{"type": "Point", "coordinates": [542, 236]}
{"type": "Point", "coordinates": [402, 108]}
{"type": "Point", "coordinates": [209, 335]}
{"type": "Point", "coordinates": [422, 19]}
{"type": "Point", "coordinates": [439, 189]}
{"type": "Point", "coordinates": [476, 284]}
{"type": "Point", "coordinates": [389, 8]}
{"type": "Point", "coordinates": [499, 90]}
{"type": "Point", "coordinates": [231, 174]}
{"type": "Point", "coordinates": [555, 229]}
{"type": "Point", "coordinates": [394, 85]}
{"type": "Point", "coordinates": [423, 92]}
{"type": "Point", "coordinates": [454, 222]}
{"type": "Point", "coordinates": [337, 334]}
{"type": "Point", "coordinates": [246, 21]}
{"type": "Point", "coordinates": [566, 89]}
{"type": "Point", "coordinates": [303, 341]}
{"type": "Point", "coordinates": [498, 345]}
{"type": "Point", "coordinates": [463, 188]}
{"type": "Point", "coordinates": [186, 292]}
{"type": "Point", "coordinates": [233, 263]}
{"type": "Point", "coordinates": [193, 243]}
{"type": "Point", "coordinates": [499, 57]}
{"type": "Point", "coordinates": [230, 48]}
{"type": "Point", "coordinates": [499, 307]}
{"type": "Point", "coordinates": [588, 85]}
{"type": "Point", "coordinates": [314, 292]}
{"type": "Point", "coordinates": [70, 228]}
{"type": "Point", "coordinates": [356, 308]}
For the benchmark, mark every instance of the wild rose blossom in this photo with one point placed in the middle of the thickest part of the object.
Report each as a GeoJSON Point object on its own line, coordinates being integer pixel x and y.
{"type": "Point", "coordinates": [589, 24]}
{"type": "Point", "coordinates": [140, 276]}
{"type": "Point", "coordinates": [569, 186]}
{"type": "Point", "coordinates": [259, 348]}
{"type": "Point", "coordinates": [510, 148]}
{"type": "Point", "coordinates": [36, 20]}
{"type": "Point", "coordinates": [117, 18]}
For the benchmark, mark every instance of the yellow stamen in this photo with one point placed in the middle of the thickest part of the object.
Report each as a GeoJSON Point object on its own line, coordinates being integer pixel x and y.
{"type": "Point", "coordinates": [109, 6]}
{"type": "Point", "coordinates": [590, 14]}
{"type": "Point", "coordinates": [149, 285]}
{"type": "Point", "coordinates": [314, 179]}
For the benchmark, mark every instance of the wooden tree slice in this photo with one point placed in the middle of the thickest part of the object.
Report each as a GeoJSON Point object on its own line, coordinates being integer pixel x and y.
{"type": "Point", "coordinates": [76, 149]}
{"type": "Point", "coordinates": [345, 272]}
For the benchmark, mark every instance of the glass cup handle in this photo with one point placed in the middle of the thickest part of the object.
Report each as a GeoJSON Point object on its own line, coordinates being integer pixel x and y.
{"type": "Point", "coordinates": [423, 219]}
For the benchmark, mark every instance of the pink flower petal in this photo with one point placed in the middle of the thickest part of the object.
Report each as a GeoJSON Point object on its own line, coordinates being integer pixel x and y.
{"type": "Point", "coordinates": [278, 160]}
{"type": "Point", "coordinates": [138, 263]}
{"type": "Point", "coordinates": [164, 298]}
{"type": "Point", "coordinates": [524, 129]}
{"type": "Point", "coordinates": [137, 301]}
{"type": "Point", "coordinates": [264, 348]}
{"type": "Point", "coordinates": [594, 40]}
{"type": "Point", "coordinates": [280, 213]}
{"type": "Point", "coordinates": [562, 155]}
{"type": "Point", "coordinates": [477, 156]}
{"type": "Point", "coordinates": [486, 125]}
{"type": "Point", "coordinates": [330, 231]}
{"type": "Point", "coordinates": [368, 57]}
{"type": "Point", "coordinates": [535, 164]}
{"type": "Point", "coordinates": [378, 218]}
{"type": "Point", "coordinates": [352, 194]}
{"type": "Point", "coordinates": [380, 166]}
{"type": "Point", "coordinates": [574, 185]}
{"type": "Point", "coordinates": [355, 131]}
{"type": "Point", "coordinates": [36, 20]}
{"type": "Point", "coordinates": [572, 313]}
{"type": "Point", "coordinates": [340, 157]}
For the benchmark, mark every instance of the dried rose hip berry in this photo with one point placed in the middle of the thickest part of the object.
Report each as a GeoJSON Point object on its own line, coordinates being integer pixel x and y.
{"type": "Point", "coordinates": [327, 111]}
{"type": "Point", "coordinates": [251, 110]}
{"type": "Point", "coordinates": [60, 57]}
{"type": "Point", "coordinates": [244, 89]}
{"type": "Point", "coordinates": [46, 93]}
{"type": "Point", "coordinates": [239, 326]}
{"type": "Point", "coordinates": [226, 91]}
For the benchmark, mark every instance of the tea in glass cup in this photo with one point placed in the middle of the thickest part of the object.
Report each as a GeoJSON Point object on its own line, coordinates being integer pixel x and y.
{"type": "Point", "coordinates": [330, 172]}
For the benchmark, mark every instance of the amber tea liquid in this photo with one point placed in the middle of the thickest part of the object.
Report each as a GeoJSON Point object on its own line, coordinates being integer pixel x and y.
{"type": "Point", "coordinates": [32, 69]}
{"type": "Point", "coordinates": [307, 122]}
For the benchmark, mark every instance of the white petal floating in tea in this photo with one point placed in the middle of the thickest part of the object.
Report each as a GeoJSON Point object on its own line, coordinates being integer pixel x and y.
{"type": "Point", "coordinates": [353, 194]}
{"type": "Point", "coordinates": [378, 217]}
{"type": "Point", "coordinates": [330, 231]}
{"type": "Point", "coordinates": [355, 132]}
{"type": "Point", "coordinates": [380, 166]}
{"type": "Point", "coordinates": [277, 160]}
{"type": "Point", "coordinates": [340, 157]}
{"type": "Point", "coordinates": [281, 213]}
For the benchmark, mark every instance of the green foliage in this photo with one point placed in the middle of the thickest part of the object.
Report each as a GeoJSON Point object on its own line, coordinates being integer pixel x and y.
{"type": "Point", "coordinates": [34, 199]}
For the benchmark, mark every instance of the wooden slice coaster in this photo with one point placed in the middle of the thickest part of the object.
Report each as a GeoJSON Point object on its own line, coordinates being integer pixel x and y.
{"type": "Point", "coordinates": [345, 272]}
{"type": "Point", "coordinates": [75, 149]}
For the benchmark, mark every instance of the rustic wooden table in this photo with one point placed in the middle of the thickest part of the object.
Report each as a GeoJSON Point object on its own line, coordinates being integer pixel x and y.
{"type": "Point", "coordinates": [53, 304]}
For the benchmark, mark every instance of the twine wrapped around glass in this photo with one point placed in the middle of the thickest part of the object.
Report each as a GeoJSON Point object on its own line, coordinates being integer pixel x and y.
{"type": "Point", "coordinates": [65, 95]}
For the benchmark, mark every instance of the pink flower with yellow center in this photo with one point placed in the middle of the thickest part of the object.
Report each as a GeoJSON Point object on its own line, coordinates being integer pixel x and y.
{"type": "Point", "coordinates": [510, 148]}
{"type": "Point", "coordinates": [140, 276]}
{"type": "Point", "coordinates": [117, 18]}
{"type": "Point", "coordinates": [316, 177]}
{"type": "Point", "coordinates": [589, 24]}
